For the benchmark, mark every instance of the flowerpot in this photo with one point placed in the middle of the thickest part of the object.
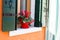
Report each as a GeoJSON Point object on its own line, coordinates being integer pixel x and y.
{"type": "Point", "coordinates": [25, 25]}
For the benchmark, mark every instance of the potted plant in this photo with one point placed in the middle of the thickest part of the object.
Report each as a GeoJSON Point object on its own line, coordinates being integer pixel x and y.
{"type": "Point", "coordinates": [25, 19]}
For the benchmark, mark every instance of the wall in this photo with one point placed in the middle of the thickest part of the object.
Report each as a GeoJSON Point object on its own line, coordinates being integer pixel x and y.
{"type": "Point", "coordinates": [32, 36]}
{"type": "Point", "coordinates": [58, 21]}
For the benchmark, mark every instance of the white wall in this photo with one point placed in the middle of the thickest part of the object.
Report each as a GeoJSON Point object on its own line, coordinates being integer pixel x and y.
{"type": "Point", "coordinates": [52, 22]}
{"type": "Point", "coordinates": [58, 27]}
{"type": "Point", "coordinates": [52, 16]}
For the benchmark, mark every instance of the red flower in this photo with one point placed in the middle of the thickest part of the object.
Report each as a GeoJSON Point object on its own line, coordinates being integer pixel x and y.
{"type": "Point", "coordinates": [27, 14]}
{"type": "Point", "coordinates": [22, 13]}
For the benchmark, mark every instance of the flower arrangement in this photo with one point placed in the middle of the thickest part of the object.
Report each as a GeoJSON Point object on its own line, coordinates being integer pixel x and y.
{"type": "Point", "coordinates": [24, 19]}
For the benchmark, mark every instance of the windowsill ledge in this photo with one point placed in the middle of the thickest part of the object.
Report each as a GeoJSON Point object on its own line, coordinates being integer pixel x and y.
{"type": "Point", "coordinates": [20, 31]}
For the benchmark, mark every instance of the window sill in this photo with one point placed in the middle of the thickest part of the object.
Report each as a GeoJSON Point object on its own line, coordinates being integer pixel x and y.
{"type": "Point", "coordinates": [24, 31]}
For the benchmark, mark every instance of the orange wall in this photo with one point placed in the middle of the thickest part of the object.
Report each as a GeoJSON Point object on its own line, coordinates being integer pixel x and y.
{"type": "Point", "coordinates": [31, 36]}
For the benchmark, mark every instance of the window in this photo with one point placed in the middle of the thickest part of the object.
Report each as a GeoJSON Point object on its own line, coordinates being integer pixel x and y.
{"type": "Point", "coordinates": [23, 16]}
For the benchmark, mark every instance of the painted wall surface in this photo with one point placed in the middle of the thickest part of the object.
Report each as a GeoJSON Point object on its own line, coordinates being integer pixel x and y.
{"type": "Point", "coordinates": [58, 27]}
{"type": "Point", "coordinates": [32, 36]}
{"type": "Point", "coordinates": [52, 16]}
